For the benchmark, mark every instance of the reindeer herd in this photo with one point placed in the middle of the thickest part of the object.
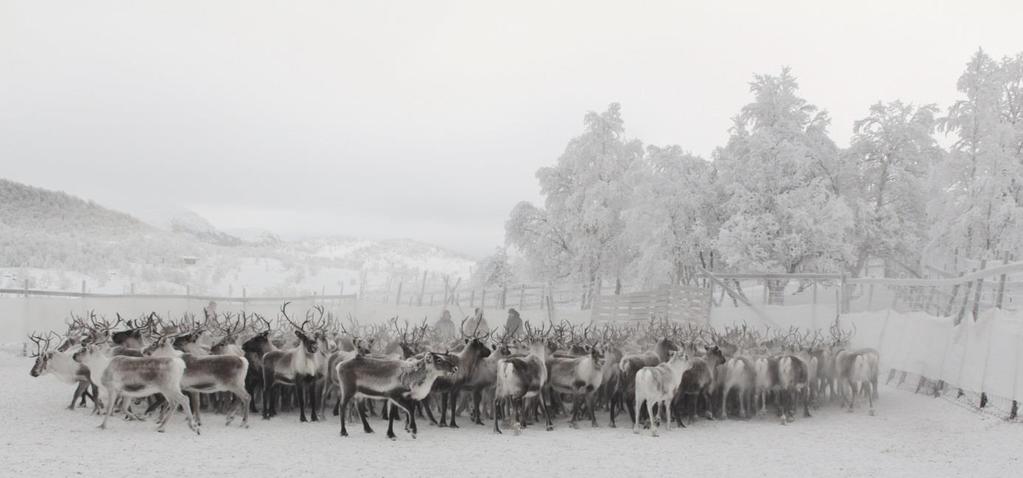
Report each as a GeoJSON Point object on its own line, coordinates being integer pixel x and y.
{"type": "Point", "coordinates": [660, 373]}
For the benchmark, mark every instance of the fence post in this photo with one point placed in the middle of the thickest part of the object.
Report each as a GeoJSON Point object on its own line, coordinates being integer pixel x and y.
{"type": "Point", "coordinates": [26, 287]}
{"type": "Point", "coordinates": [483, 298]}
{"type": "Point", "coordinates": [504, 296]}
{"type": "Point", "coordinates": [966, 300]}
{"type": "Point", "coordinates": [980, 285]}
{"type": "Point", "coordinates": [472, 299]}
{"type": "Point", "coordinates": [83, 286]}
{"type": "Point", "coordinates": [397, 300]}
{"type": "Point", "coordinates": [765, 291]}
{"type": "Point", "coordinates": [422, 288]}
{"type": "Point", "coordinates": [132, 288]}
{"type": "Point", "coordinates": [1001, 285]}
{"type": "Point", "coordinates": [522, 297]}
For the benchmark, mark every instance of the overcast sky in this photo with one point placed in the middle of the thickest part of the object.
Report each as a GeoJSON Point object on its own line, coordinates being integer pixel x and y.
{"type": "Point", "coordinates": [424, 119]}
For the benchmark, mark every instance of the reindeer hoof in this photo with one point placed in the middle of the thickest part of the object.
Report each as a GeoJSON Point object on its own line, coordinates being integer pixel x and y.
{"type": "Point", "coordinates": [344, 433]}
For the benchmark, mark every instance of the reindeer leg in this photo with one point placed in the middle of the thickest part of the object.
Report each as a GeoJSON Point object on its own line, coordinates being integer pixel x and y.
{"type": "Point", "coordinates": [392, 411]}
{"type": "Point", "coordinates": [362, 415]}
{"type": "Point", "coordinates": [343, 400]}
{"type": "Point", "coordinates": [497, 427]}
{"type": "Point", "coordinates": [870, 396]}
{"type": "Point", "coordinates": [477, 397]}
{"type": "Point", "coordinates": [74, 398]}
{"type": "Point", "coordinates": [650, 404]}
{"type": "Point", "coordinates": [112, 398]}
{"type": "Point", "coordinates": [443, 410]}
{"type": "Point", "coordinates": [195, 401]}
{"type": "Point", "coordinates": [546, 412]}
{"type": "Point", "coordinates": [454, 404]}
{"type": "Point", "coordinates": [312, 399]}
{"type": "Point", "coordinates": [428, 408]}
{"type": "Point", "coordinates": [635, 424]}
{"type": "Point", "coordinates": [591, 405]}
{"type": "Point", "coordinates": [300, 397]}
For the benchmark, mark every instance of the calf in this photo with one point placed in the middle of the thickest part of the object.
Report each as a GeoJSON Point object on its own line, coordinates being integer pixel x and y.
{"type": "Point", "coordinates": [657, 385]}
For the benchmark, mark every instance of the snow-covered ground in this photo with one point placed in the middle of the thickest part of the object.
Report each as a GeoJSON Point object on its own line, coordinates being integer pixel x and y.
{"type": "Point", "coordinates": [911, 435]}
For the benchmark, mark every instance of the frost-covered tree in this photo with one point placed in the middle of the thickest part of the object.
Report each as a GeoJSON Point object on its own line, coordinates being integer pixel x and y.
{"type": "Point", "coordinates": [494, 270]}
{"type": "Point", "coordinates": [578, 232]}
{"type": "Point", "coordinates": [671, 222]}
{"type": "Point", "coordinates": [780, 173]}
{"type": "Point", "coordinates": [893, 149]}
{"type": "Point", "coordinates": [980, 210]}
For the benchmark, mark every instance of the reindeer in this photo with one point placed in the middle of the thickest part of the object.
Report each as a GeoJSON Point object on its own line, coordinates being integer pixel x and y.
{"type": "Point", "coordinates": [628, 366]}
{"type": "Point", "coordinates": [254, 349]}
{"type": "Point", "coordinates": [469, 358]}
{"type": "Point", "coordinates": [793, 381]}
{"type": "Point", "coordinates": [858, 371]}
{"type": "Point", "coordinates": [579, 376]}
{"type": "Point", "coordinates": [657, 385]}
{"type": "Point", "coordinates": [519, 378]}
{"type": "Point", "coordinates": [698, 382]}
{"type": "Point", "coordinates": [138, 377]}
{"type": "Point", "coordinates": [208, 374]}
{"type": "Point", "coordinates": [401, 382]}
{"type": "Point", "coordinates": [295, 367]}
{"type": "Point", "coordinates": [63, 366]}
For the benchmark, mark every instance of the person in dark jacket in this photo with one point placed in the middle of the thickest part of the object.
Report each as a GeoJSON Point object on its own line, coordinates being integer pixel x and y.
{"type": "Point", "coordinates": [513, 326]}
{"type": "Point", "coordinates": [445, 326]}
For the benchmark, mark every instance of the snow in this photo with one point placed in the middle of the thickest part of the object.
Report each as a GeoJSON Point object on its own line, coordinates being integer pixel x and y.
{"type": "Point", "coordinates": [911, 435]}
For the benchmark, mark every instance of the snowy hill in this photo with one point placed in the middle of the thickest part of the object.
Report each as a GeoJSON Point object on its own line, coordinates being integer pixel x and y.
{"type": "Point", "coordinates": [56, 241]}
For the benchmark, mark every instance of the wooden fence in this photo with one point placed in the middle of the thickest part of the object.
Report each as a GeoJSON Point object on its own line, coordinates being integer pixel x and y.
{"type": "Point", "coordinates": [674, 303]}
{"type": "Point", "coordinates": [520, 296]}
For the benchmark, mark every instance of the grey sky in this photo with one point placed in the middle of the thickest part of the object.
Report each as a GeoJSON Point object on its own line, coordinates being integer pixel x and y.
{"type": "Point", "coordinates": [423, 119]}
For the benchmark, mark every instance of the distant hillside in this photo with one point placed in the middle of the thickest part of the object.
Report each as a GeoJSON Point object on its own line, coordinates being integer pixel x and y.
{"type": "Point", "coordinates": [56, 241]}
{"type": "Point", "coordinates": [31, 208]}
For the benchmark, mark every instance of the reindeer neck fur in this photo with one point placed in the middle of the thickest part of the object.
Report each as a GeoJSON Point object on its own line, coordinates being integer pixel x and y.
{"type": "Point", "coordinates": [302, 362]}
{"type": "Point", "coordinates": [417, 377]}
{"type": "Point", "coordinates": [62, 366]}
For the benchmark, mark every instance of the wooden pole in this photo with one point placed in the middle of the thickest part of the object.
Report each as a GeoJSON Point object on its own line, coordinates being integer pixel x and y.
{"type": "Point", "coordinates": [980, 286]}
{"type": "Point", "coordinates": [1001, 285]}
{"type": "Point", "coordinates": [83, 286]}
{"type": "Point", "coordinates": [397, 300]}
{"type": "Point", "coordinates": [422, 288]}
{"type": "Point", "coordinates": [522, 297]}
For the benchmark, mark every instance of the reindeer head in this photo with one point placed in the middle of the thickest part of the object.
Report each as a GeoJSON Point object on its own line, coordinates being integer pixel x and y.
{"type": "Point", "coordinates": [442, 362]}
{"type": "Point", "coordinates": [474, 343]}
{"type": "Point", "coordinates": [42, 354]}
